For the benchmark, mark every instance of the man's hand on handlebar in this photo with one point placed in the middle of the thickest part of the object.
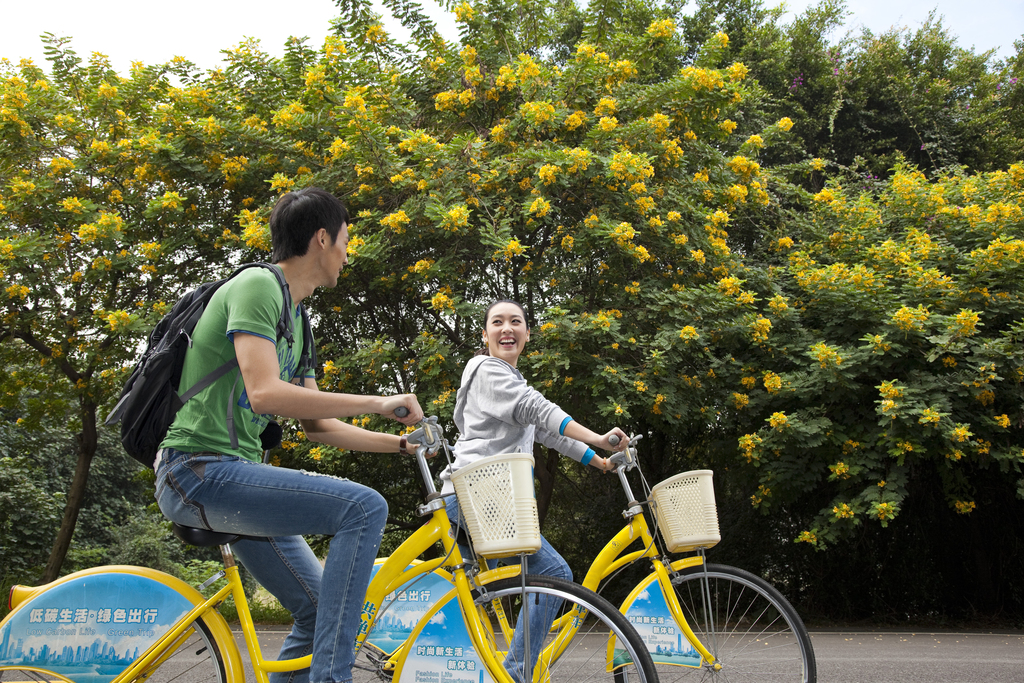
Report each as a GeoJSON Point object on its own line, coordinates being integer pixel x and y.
{"type": "Point", "coordinates": [404, 408]}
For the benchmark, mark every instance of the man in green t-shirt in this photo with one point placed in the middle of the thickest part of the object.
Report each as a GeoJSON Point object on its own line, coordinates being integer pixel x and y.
{"type": "Point", "coordinates": [206, 480]}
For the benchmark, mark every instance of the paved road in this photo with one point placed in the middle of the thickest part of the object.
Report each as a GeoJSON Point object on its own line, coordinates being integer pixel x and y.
{"type": "Point", "coordinates": [919, 657]}
{"type": "Point", "coordinates": [880, 656]}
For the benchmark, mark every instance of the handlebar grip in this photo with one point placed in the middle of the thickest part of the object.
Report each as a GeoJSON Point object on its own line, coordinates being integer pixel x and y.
{"type": "Point", "coordinates": [401, 411]}
{"type": "Point", "coordinates": [613, 440]}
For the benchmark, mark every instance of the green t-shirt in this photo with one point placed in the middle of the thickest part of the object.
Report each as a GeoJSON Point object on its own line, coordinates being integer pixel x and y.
{"type": "Point", "coordinates": [249, 303]}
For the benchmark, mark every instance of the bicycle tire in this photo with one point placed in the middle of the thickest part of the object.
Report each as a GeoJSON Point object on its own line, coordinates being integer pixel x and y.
{"type": "Point", "coordinates": [585, 657]}
{"type": "Point", "coordinates": [197, 659]}
{"type": "Point", "coordinates": [756, 633]}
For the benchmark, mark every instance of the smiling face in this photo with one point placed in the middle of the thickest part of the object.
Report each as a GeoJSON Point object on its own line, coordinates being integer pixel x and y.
{"type": "Point", "coordinates": [506, 332]}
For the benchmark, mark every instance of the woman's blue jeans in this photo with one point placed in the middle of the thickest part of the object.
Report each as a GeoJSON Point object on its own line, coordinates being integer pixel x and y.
{"type": "Point", "coordinates": [275, 507]}
{"type": "Point", "coordinates": [543, 612]}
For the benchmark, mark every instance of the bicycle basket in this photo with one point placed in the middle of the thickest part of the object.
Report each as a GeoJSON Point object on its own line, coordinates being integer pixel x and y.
{"type": "Point", "coordinates": [684, 506]}
{"type": "Point", "coordinates": [498, 504]}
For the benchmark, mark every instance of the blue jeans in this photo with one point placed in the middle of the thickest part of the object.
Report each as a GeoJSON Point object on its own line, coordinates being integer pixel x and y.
{"type": "Point", "coordinates": [543, 612]}
{"type": "Point", "coordinates": [275, 507]}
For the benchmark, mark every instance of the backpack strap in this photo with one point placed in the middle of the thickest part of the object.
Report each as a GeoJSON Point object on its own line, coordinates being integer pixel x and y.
{"type": "Point", "coordinates": [285, 330]}
{"type": "Point", "coordinates": [308, 359]}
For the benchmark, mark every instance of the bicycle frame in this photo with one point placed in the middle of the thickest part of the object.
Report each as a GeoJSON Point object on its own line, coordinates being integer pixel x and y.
{"type": "Point", "coordinates": [395, 572]}
{"type": "Point", "coordinates": [608, 561]}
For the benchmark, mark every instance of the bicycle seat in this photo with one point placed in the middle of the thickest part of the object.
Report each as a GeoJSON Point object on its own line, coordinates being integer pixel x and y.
{"type": "Point", "coordinates": [202, 537]}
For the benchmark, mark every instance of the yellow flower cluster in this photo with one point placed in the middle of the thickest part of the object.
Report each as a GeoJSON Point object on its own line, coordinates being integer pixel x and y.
{"type": "Point", "coordinates": [964, 323]}
{"type": "Point", "coordinates": [396, 221]}
{"type": "Point", "coordinates": [827, 356]}
{"type": "Point", "coordinates": [842, 511]}
{"type": "Point", "coordinates": [885, 511]}
{"type": "Point", "coordinates": [512, 248]}
{"type": "Point", "coordinates": [255, 231]}
{"type": "Point", "coordinates": [778, 303]}
{"type": "Point", "coordinates": [778, 421]}
{"type": "Point", "coordinates": [807, 537]}
{"type": "Point", "coordinates": [441, 302]}
{"type": "Point", "coordinates": [840, 470]}
{"type": "Point", "coordinates": [540, 207]}
{"type": "Point", "coordinates": [605, 106]}
{"type": "Point", "coordinates": [464, 12]}
{"type": "Point", "coordinates": [748, 447]}
{"type": "Point", "coordinates": [730, 286]}
{"type": "Point", "coordinates": [688, 333]}
{"type": "Point", "coordinates": [288, 116]}
{"type": "Point", "coordinates": [456, 217]}
{"type": "Point", "coordinates": [376, 35]}
{"type": "Point", "coordinates": [537, 113]}
{"type": "Point", "coordinates": [580, 158]}
{"type": "Point", "coordinates": [930, 416]}
{"type": "Point", "coordinates": [961, 433]}
{"type": "Point", "coordinates": [772, 382]}
{"type": "Point", "coordinates": [964, 507]}
{"type": "Point", "coordinates": [629, 167]}
{"type": "Point", "coordinates": [663, 28]}
{"type": "Point", "coordinates": [740, 401]}
{"type": "Point", "coordinates": [744, 167]}
{"type": "Point", "coordinates": [548, 173]}
{"type": "Point", "coordinates": [575, 120]}
{"type": "Point", "coordinates": [759, 329]}
{"type": "Point", "coordinates": [908, 319]}
{"type": "Point", "coordinates": [118, 321]}
{"type": "Point", "coordinates": [737, 71]}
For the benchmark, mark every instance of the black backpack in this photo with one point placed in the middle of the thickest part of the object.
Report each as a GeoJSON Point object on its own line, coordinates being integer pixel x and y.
{"type": "Point", "coordinates": [150, 398]}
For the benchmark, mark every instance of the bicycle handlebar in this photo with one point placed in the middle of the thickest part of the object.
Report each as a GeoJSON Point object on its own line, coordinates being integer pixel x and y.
{"type": "Point", "coordinates": [401, 411]}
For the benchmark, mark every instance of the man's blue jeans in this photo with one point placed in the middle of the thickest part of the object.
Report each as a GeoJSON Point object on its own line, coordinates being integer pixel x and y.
{"type": "Point", "coordinates": [275, 507]}
{"type": "Point", "coordinates": [543, 612]}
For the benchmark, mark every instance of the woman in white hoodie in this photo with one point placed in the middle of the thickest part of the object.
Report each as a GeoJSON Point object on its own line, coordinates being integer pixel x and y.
{"type": "Point", "coordinates": [497, 412]}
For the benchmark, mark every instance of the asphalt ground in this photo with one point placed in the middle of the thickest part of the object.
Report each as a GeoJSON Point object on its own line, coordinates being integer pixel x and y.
{"type": "Point", "coordinates": [853, 656]}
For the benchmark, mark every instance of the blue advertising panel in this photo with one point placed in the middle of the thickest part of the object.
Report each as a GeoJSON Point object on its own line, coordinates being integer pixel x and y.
{"type": "Point", "coordinates": [403, 609]}
{"type": "Point", "coordinates": [650, 616]}
{"type": "Point", "coordinates": [443, 651]}
{"type": "Point", "coordinates": [89, 629]}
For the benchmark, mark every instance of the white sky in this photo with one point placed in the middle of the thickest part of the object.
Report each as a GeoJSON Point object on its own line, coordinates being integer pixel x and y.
{"type": "Point", "coordinates": [129, 30]}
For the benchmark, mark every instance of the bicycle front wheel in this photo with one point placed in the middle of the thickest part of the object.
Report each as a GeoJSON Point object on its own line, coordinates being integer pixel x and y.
{"type": "Point", "coordinates": [590, 640]}
{"type": "Point", "coordinates": [750, 628]}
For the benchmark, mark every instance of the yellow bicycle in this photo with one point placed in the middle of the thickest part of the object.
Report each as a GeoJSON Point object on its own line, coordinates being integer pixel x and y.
{"type": "Point", "coordinates": [117, 624]}
{"type": "Point", "coordinates": [699, 621]}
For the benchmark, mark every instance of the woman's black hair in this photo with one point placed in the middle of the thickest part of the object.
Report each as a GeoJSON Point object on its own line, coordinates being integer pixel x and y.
{"type": "Point", "coordinates": [485, 351]}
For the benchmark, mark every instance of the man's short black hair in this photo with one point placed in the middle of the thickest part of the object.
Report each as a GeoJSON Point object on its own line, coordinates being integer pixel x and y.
{"type": "Point", "coordinates": [298, 216]}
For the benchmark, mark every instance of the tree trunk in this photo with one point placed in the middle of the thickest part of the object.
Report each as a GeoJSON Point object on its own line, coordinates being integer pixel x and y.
{"type": "Point", "coordinates": [546, 464]}
{"type": "Point", "coordinates": [87, 441]}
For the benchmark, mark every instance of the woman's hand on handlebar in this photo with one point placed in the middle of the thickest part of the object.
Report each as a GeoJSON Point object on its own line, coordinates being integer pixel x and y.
{"type": "Point", "coordinates": [404, 408]}
{"type": "Point", "coordinates": [618, 443]}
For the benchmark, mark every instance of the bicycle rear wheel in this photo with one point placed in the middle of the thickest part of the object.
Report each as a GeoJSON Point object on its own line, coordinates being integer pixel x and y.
{"type": "Point", "coordinates": [195, 658]}
{"type": "Point", "coordinates": [579, 641]}
{"type": "Point", "coordinates": [750, 628]}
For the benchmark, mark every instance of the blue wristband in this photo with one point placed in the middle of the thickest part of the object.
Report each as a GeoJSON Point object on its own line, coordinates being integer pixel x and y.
{"type": "Point", "coordinates": [561, 428]}
{"type": "Point", "coordinates": [588, 456]}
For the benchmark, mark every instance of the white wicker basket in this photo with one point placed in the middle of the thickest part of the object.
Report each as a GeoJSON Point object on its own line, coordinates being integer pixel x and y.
{"type": "Point", "coordinates": [499, 505]}
{"type": "Point", "coordinates": [684, 506]}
